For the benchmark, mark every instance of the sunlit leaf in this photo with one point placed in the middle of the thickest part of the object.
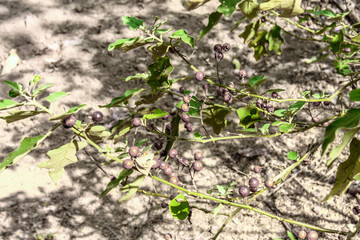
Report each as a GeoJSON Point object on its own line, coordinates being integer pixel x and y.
{"type": "Point", "coordinates": [132, 22]}
{"type": "Point", "coordinates": [183, 36]}
{"type": "Point", "coordinates": [131, 189]}
{"type": "Point", "coordinates": [53, 97]}
{"type": "Point", "coordinates": [179, 207]}
{"type": "Point", "coordinates": [289, 8]}
{"type": "Point", "coordinates": [116, 102]}
{"type": "Point", "coordinates": [20, 115]}
{"type": "Point", "coordinates": [7, 104]}
{"type": "Point", "coordinates": [249, 8]}
{"type": "Point", "coordinates": [113, 184]}
{"type": "Point", "coordinates": [214, 19]}
{"type": "Point", "coordinates": [227, 7]}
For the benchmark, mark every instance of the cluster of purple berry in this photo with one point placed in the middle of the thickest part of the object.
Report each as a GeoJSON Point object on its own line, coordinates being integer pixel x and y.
{"type": "Point", "coordinates": [254, 183]}
{"type": "Point", "coordinates": [70, 121]}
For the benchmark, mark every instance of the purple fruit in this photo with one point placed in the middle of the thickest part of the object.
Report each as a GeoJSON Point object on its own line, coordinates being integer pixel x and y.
{"type": "Point", "coordinates": [156, 163]}
{"type": "Point", "coordinates": [217, 48]}
{"type": "Point", "coordinates": [97, 116]}
{"type": "Point", "coordinates": [174, 180]}
{"type": "Point", "coordinates": [188, 126]}
{"type": "Point", "coordinates": [356, 210]}
{"type": "Point", "coordinates": [269, 183]}
{"type": "Point", "coordinates": [136, 122]}
{"type": "Point", "coordinates": [219, 56]}
{"type": "Point", "coordinates": [69, 121]}
{"type": "Point", "coordinates": [185, 107]}
{"type": "Point", "coordinates": [244, 191]}
{"type": "Point", "coordinates": [168, 171]}
{"type": "Point", "coordinates": [199, 75]}
{"type": "Point", "coordinates": [128, 164]}
{"type": "Point", "coordinates": [226, 47]}
{"type": "Point", "coordinates": [274, 95]}
{"type": "Point", "coordinates": [312, 235]}
{"type": "Point", "coordinates": [158, 145]}
{"type": "Point", "coordinates": [254, 182]}
{"type": "Point", "coordinates": [173, 153]}
{"type": "Point", "coordinates": [198, 155]}
{"type": "Point", "coordinates": [242, 74]}
{"type": "Point", "coordinates": [198, 165]}
{"type": "Point", "coordinates": [134, 151]}
{"type": "Point", "coordinates": [302, 234]}
{"type": "Point", "coordinates": [185, 117]}
{"type": "Point", "coordinates": [166, 117]}
{"type": "Point", "coordinates": [257, 169]}
{"type": "Point", "coordinates": [163, 165]}
{"type": "Point", "coordinates": [186, 99]}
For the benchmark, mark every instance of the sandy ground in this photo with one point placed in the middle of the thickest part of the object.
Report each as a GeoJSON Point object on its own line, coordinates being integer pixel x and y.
{"type": "Point", "coordinates": [65, 41]}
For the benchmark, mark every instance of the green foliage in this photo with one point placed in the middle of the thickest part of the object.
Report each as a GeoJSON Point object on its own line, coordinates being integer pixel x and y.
{"type": "Point", "coordinates": [292, 155]}
{"type": "Point", "coordinates": [60, 158]}
{"type": "Point", "coordinates": [53, 97]}
{"type": "Point", "coordinates": [227, 7]}
{"type": "Point", "coordinates": [215, 117]}
{"type": "Point", "coordinates": [132, 22]}
{"type": "Point", "coordinates": [159, 73]}
{"type": "Point", "coordinates": [248, 116]}
{"type": "Point", "coordinates": [131, 189]}
{"type": "Point", "coordinates": [183, 36]}
{"type": "Point", "coordinates": [289, 8]}
{"type": "Point", "coordinates": [114, 183]}
{"type": "Point", "coordinates": [179, 207]}
{"type": "Point", "coordinates": [347, 171]}
{"type": "Point", "coordinates": [117, 102]}
{"type": "Point", "coordinates": [249, 8]}
{"type": "Point", "coordinates": [19, 115]}
{"type": "Point", "coordinates": [27, 145]}
{"type": "Point", "coordinates": [8, 104]}
{"type": "Point", "coordinates": [214, 19]}
{"type": "Point", "coordinates": [68, 113]}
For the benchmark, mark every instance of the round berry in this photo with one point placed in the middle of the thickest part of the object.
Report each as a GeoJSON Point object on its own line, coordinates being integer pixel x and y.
{"type": "Point", "coordinates": [315, 119]}
{"type": "Point", "coordinates": [274, 95]}
{"type": "Point", "coordinates": [198, 165]}
{"type": "Point", "coordinates": [219, 56]}
{"type": "Point", "coordinates": [134, 151]}
{"type": "Point", "coordinates": [128, 164]}
{"type": "Point", "coordinates": [230, 100]}
{"type": "Point", "coordinates": [312, 235]}
{"type": "Point", "coordinates": [253, 189]}
{"type": "Point", "coordinates": [205, 86]}
{"type": "Point", "coordinates": [254, 182]}
{"type": "Point", "coordinates": [244, 191]}
{"type": "Point", "coordinates": [302, 234]}
{"type": "Point", "coordinates": [69, 121]}
{"type": "Point", "coordinates": [269, 183]}
{"type": "Point", "coordinates": [227, 97]}
{"type": "Point", "coordinates": [185, 107]}
{"type": "Point", "coordinates": [217, 48]}
{"type": "Point", "coordinates": [327, 103]}
{"type": "Point", "coordinates": [173, 153]}
{"type": "Point", "coordinates": [163, 165]}
{"type": "Point", "coordinates": [188, 126]}
{"type": "Point", "coordinates": [136, 122]}
{"type": "Point", "coordinates": [316, 104]}
{"type": "Point", "coordinates": [174, 180]}
{"type": "Point", "coordinates": [270, 108]}
{"type": "Point", "coordinates": [199, 75]}
{"type": "Point", "coordinates": [97, 116]}
{"type": "Point", "coordinates": [164, 205]}
{"type": "Point", "coordinates": [158, 145]}
{"type": "Point", "coordinates": [353, 191]}
{"type": "Point", "coordinates": [181, 89]}
{"type": "Point", "coordinates": [156, 163]}
{"type": "Point", "coordinates": [168, 127]}
{"type": "Point", "coordinates": [257, 169]}
{"type": "Point", "coordinates": [347, 50]}
{"type": "Point", "coordinates": [198, 155]}
{"type": "Point", "coordinates": [168, 171]}
{"type": "Point", "coordinates": [185, 117]}
{"type": "Point", "coordinates": [242, 74]}
{"type": "Point", "coordinates": [356, 210]}
{"type": "Point", "coordinates": [166, 117]}
{"type": "Point", "coordinates": [226, 47]}
{"type": "Point", "coordinates": [186, 99]}
{"type": "Point", "coordinates": [263, 19]}
{"type": "Point", "coordinates": [172, 196]}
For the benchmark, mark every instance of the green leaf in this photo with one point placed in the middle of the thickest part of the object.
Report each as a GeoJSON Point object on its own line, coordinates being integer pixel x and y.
{"type": "Point", "coordinates": [290, 235]}
{"type": "Point", "coordinates": [141, 142]}
{"type": "Point", "coordinates": [60, 158]}
{"type": "Point", "coordinates": [347, 171]}
{"type": "Point", "coordinates": [292, 155]}
{"type": "Point", "coordinates": [342, 66]}
{"type": "Point", "coordinates": [179, 207]}
{"type": "Point", "coordinates": [215, 117]}
{"type": "Point", "coordinates": [257, 80]}
{"type": "Point", "coordinates": [183, 36]}
{"type": "Point", "coordinates": [117, 102]}
{"type": "Point", "coordinates": [113, 184]}
{"type": "Point", "coordinates": [227, 7]}
{"type": "Point", "coordinates": [328, 13]}
{"type": "Point", "coordinates": [26, 146]}
{"type": "Point", "coordinates": [122, 133]}
{"type": "Point", "coordinates": [275, 40]}
{"type": "Point", "coordinates": [289, 8]}
{"type": "Point", "coordinates": [286, 127]}
{"type": "Point", "coordinates": [250, 31]}
{"type": "Point", "coordinates": [214, 19]}
{"type": "Point", "coordinates": [14, 85]}
{"type": "Point", "coordinates": [132, 22]}
{"type": "Point", "coordinates": [249, 8]}
{"type": "Point", "coordinates": [348, 136]}
{"type": "Point", "coordinates": [40, 89]}
{"type": "Point", "coordinates": [326, 28]}
{"type": "Point", "coordinates": [248, 116]}
{"type": "Point", "coordinates": [145, 162]}
{"type": "Point", "coordinates": [131, 43]}
{"type": "Point", "coordinates": [68, 113]}
{"type": "Point", "coordinates": [160, 71]}
{"type": "Point", "coordinates": [156, 113]}
{"type": "Point", "coordinates": [131, 189]}
{"type": "Point", "coordinates": [53, 97]}
{"type": "Point", "coordinates": [158, 50]}
{"type": "Point", "coordinates": [34, 80]}
{"type": "Point", "coordinates": [336, 42]}
{"type": "Point", "coordinates": [97, 133]}
{"type": "Point", "coordinates": [7, 104]}
{"type": "Point", "coordinates": [296, 107]}
{"type": "Point", "coordinates": [19, 115]}
{"type": "Point", "coordinates": [280, 112]}
{"type": "Point", "coordinates": [356, 38]}
{"type": "Point", "coordinates": [265, 128]}
{"type": "Point", "coordinates": [151, 98]}
{"type": "Point", "coordinates": [198, 136]}
{"type": "Point", "coordinates": [216, 210]}
{"type": "Point", "coordinates": [221, 189]}
{"type": "Point", "coordinates": [349, 121]}
{"type": "Point", "coordinates": [355, 95]}
{"type": "Point", "coordinates": [278, 123]}
{"type": "Point", "coordinates": [142, 76]}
